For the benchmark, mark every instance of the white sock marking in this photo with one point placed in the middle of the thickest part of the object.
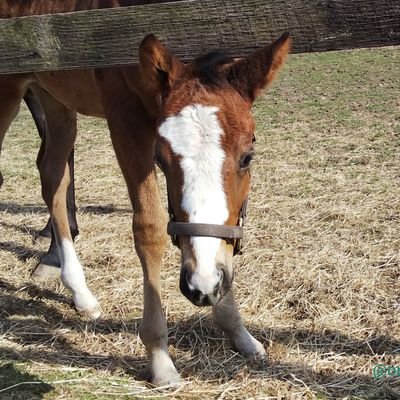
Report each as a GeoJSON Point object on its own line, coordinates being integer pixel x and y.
{"type": "Point", "coordinates": [195, 135]}
{"type": "Point", "coordinates": [73, 277]}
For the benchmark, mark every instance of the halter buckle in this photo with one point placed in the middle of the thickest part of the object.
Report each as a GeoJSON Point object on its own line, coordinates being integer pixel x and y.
{"type": "Point", "coordinates": [237, 248]}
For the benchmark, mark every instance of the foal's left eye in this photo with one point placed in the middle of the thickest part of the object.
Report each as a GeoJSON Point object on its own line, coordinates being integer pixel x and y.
{"type": "Point", "coordinates": [159, 162]}
{"type": "Point", "coordinates": [246, 160]}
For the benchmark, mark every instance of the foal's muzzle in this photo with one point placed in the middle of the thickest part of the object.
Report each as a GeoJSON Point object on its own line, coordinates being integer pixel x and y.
{"type": "Point", "coordinates": [197, 297]}
{"type": "Point", "coordinates": [232, 234]}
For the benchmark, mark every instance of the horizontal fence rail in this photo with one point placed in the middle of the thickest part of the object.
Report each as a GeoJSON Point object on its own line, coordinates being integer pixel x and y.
{"type": "Point", "coordinates": [108, 37]}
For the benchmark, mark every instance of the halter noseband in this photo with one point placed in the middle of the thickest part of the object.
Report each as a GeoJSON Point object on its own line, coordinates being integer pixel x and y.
{"type": "Point", "coordinates": [229, 232]}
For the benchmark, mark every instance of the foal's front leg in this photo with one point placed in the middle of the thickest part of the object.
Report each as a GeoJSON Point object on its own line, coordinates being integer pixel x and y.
{"type": "Point", "coordinates": [227, 317]}
{"type": "Point", "coordinates": [150, 241]}
{"type": "Point", "coordinates": [132, 134]}
{"type": "Point", "coordinates": [149, 228]}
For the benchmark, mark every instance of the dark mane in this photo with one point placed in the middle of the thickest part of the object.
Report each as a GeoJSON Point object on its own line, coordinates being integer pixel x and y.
{"type": "Point", "coordinates": [208, 67]}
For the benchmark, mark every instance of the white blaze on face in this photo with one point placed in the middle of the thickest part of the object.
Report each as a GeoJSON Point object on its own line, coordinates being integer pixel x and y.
{"type": "Point", "coordinates": [195, 135]}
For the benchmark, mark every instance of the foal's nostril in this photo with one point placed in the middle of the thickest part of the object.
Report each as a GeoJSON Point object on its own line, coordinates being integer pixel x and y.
{"type": "Point", "coordinates": [219, 284]}
{"type": "Point", "coordinates": [185, 286]}
{"type": "Point", "coordinates": [200, 299]}
{"type": "Point", "coordinates": [187, 279]}
{"type": "Point", "coordinates": [220, 273]}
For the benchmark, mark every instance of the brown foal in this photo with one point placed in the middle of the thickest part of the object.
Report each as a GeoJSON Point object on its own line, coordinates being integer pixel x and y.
{"type": "Point", "coordinates": [195, 121]}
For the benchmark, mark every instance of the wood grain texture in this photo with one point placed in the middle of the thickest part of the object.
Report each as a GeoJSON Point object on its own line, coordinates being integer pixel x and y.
{"type": "Point", "coordinates": [99, 38]}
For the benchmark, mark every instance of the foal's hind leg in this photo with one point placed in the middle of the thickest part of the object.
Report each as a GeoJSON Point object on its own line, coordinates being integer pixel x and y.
{"type": "Point", "coordinates": [226, 315]}
{"type": "Point", "coordinates": [31, 99]}
{"type": "Point", "coordinates": [39, 118]}
{"type": "Point", "coordinates": [54, 174]}
{"type": "Point", "coordinates": [50, 264]}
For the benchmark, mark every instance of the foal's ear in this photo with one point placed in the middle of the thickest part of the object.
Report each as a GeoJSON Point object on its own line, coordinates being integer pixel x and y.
{"type": "Point", "coordinates": [159, 66]}
{"type": "Point", "coordinates": [250, 75]}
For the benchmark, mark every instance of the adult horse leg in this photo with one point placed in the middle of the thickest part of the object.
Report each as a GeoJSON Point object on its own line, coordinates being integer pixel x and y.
{"type": "Point", "coordinates": [12, 89]}
{"type": "Point", "coordinates": [39, 117]}
{"type": "Point", "coordinates": [55, 177]}
{"type": "Point", "coordinates": [133, 137]}
{"type": "Point", "coordinates": [226, 316]}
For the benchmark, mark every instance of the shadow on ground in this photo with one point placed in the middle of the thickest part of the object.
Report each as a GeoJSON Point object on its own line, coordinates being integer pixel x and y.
{"type": "Point", "coordinates": [15, 384]}
{"type": "Point", "coordinates": [23, 253]}
{"type": "Point", "coordinates": [16, 208]}
{"type": "Point", "coordinates": [39, 325]}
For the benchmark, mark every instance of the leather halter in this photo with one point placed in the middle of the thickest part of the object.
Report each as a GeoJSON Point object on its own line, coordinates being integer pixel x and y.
{"type": "Point", "coordinates": [231, 233]}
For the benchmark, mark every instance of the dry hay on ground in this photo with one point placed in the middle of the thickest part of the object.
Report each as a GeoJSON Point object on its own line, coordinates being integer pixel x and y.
{"type": "Point", "coordinates": [318, 283]}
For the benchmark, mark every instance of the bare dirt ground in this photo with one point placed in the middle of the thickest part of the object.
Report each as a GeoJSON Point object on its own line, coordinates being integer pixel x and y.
{"type": "Point", "coordinates": [318, 283]}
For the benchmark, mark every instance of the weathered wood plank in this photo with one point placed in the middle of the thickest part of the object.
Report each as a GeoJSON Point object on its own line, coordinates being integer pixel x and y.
{"type": "Point", "coordinates": [98, 38]}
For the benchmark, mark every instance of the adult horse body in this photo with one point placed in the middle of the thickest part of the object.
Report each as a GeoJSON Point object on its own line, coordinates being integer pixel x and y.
{"type": "Point", "coordinates": [17, 8]}
{"type": "Point", "coordinates": [195, 121]}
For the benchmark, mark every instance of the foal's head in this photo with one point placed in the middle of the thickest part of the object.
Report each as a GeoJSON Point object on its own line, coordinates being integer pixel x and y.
{"type": "Point", "coordinates": [204, 146]}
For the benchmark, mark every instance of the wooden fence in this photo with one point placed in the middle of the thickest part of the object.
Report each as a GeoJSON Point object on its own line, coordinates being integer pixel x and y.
{"type": "Point", "coordinates": [107, 37]}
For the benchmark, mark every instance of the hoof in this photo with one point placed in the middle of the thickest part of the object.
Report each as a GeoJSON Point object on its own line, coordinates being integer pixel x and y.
{"type": "Point", "coordinates": [258, 360]}
{"type": "Point", "coordinates": [250, 348]}
{"type": "Point", "coordinates": [257, 357]}
{"type": "Point", "coordinates": [259, 352]}
{"type": "Point", "coordinates": [163, 371]}
{"type": "Point", "coordinates": [92, 313]}
{"type": "Point", "coordinates": [45, 271]}
{"type": "Point", "coordinates": [171, 380]}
